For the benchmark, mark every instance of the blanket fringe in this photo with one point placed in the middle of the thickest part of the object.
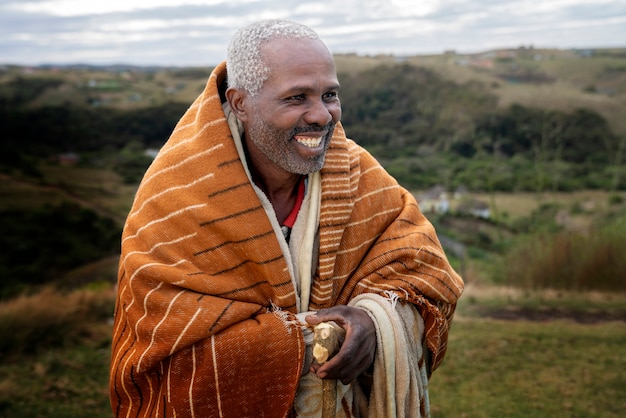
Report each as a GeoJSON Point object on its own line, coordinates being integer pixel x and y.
{"type": "Point", "coordinates": [392, 298]}
{"type": "Point", "coordinates": [289, 320]}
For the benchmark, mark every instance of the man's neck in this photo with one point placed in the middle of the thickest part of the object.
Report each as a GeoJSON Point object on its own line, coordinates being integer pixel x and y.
{"type": "Point", "coordinates": [280, 186]}
{"type": "Point", "coordinates": [282, 194]}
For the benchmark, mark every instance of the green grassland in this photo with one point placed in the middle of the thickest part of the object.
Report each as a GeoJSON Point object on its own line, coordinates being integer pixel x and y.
{"type": "Point", "coordinates": [521, 369]}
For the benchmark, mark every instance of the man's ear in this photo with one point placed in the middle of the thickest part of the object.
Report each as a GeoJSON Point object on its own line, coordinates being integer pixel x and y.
{"type": "Point", "coordinates": [237, 101]}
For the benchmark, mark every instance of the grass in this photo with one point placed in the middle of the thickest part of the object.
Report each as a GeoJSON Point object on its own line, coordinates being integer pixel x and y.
{"type": "Point", "coordinates": [570, 260]}
{"type": "Point", "coordinates": [59, 382]}
{"type": "Point", "coordinates": [531, 369]}
{"type": "Point", "coordinates": [569, 367]}
{"type": "Point", "coordinates": [51, 318]}
{"type": "Point", "coordinates": [55, 349]}
{"type": "Point", "coordinates": [102, 189]}
{"type": "Point", "coordinates": [572, 72]}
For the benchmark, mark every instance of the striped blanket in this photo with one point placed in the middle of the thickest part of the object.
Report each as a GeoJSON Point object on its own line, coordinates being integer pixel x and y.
{"type": "Point", "coordinates": [205, 316]}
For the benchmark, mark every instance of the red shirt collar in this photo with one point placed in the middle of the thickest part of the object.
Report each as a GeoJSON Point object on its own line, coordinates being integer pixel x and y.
{"type": "Point", "coordinates": [291, 218]}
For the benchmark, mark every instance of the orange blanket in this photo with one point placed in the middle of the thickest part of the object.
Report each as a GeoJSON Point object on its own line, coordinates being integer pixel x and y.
{"type": "Point", "coordinates": [203, 323]}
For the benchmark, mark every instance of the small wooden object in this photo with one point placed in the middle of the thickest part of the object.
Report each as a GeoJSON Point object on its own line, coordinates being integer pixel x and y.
{"type": "Point", "coordinates": [327, 338]}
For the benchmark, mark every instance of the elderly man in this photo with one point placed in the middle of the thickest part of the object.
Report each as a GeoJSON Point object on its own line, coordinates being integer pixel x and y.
{"type": "Point", "coordinates": [257, 221]}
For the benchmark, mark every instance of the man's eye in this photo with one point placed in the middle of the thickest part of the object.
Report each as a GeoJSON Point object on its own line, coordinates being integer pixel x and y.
{"type": "Point", "coordinates": [331, 95]}
{"type": "Point", "coordinates": [297, 98]}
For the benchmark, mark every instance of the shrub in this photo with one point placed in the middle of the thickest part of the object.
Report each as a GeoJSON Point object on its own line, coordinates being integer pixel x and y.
{"type": "Point", "coordinates": [31, 323]}
{"type": "Point", "coordinates": [41, 243]}
{"type": "Point", "coordinates": [570, 260]}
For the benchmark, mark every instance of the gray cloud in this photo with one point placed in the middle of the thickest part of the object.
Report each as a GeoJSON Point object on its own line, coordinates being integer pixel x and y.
{"type": "Point", "coordinates": [196, 33]}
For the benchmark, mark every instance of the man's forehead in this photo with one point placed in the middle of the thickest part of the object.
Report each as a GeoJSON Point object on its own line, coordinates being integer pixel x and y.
{"type": "Point", "coordinates": [283, 53]}
{"type": "Point", "coordinates": [292, 47]}
{"type": "Point", "coordinates": [299, 64]}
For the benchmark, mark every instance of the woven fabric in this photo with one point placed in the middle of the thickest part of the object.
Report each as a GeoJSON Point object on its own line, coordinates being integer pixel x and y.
{"type": "Point", "coordinates": [398, 383]}
{"type": "Point", "coordinates": [205, 317]}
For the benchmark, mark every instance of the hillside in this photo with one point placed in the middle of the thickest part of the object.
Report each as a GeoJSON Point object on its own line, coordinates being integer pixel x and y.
{"type": "Point", "coordinates": [550, 79]}
{"type": "Point", "coordinates": [534, 127]}
{"type": "Point", "coordinates": [513, 120]}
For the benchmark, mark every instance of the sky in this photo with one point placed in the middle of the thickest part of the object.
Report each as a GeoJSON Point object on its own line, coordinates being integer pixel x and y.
{"type": "Point", "coordinates": [196, 32]}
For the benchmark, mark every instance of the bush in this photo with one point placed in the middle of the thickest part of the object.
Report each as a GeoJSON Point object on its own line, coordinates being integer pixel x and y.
{"type": "Point", "coordinates": [570, 260]}
{"type": "Point", "coordinates": [40, 243]}
{"type": "Point", "coordinates": [31, 323]}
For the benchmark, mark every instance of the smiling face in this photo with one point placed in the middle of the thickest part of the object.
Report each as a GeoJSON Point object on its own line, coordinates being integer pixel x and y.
{"type": "Point", "coordinates": [290, 122]}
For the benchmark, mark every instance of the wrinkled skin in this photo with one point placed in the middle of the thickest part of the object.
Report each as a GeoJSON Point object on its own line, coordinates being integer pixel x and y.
{"type": "Point", "coordinates": [298, 102]}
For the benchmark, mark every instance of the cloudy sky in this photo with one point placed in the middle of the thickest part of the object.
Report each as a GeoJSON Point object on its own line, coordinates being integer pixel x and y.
{"type": "Point", "coordinates": [196, 32]}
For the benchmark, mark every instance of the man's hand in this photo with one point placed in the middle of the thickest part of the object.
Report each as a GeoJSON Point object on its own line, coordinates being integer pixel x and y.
{"type": "Point", "coordinates": [357, 351]}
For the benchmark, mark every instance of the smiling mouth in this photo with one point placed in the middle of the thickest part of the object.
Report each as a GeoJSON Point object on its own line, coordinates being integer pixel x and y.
{"type": "Point", "coordinates": [308, 141]}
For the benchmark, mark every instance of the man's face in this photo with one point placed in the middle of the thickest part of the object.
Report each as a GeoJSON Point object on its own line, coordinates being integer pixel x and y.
{"type": "Point", "coordinates": [291, 120]}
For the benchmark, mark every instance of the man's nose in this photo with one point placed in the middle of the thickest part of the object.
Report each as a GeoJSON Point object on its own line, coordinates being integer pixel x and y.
{"type": "Point", "coordinates": [319, 113]}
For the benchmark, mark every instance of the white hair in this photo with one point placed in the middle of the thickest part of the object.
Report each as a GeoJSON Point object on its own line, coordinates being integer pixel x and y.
{"type": "Point", "coordinates": [245, 66]}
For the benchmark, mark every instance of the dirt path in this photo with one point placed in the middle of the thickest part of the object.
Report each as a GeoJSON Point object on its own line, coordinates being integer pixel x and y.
{"type": "Point", "coordinates": [513, 304]}
{"type": "Point", "coordinates": [552, 314]}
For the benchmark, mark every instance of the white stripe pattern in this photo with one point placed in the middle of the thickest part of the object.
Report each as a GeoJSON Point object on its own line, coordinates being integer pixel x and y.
{"type": "Point", "coordinates": [188, 160]}
{"type": "Point", "coordinates": [154, 331]}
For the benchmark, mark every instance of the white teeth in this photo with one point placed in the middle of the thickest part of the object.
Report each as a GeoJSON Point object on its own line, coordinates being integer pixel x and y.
{"type": "Point", "coordinates": [309, 142]}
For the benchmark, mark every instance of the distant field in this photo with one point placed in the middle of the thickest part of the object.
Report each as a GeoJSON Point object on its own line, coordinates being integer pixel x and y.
{"type": "Point", "coordinates": [518, 205]}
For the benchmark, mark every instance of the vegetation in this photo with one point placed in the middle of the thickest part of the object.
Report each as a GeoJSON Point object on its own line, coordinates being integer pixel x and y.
{"type": "Point", "coordinates": [539, 135]}
{"type": "Point", "coordinates": [428, 130]}
{"type": "Point", "coordinates": [426, 120]}
{"type": "Point", "coordinates": [531, 369]}
{"type": "Point", "coordinates": [33, 324]}
{"type": "Point", "coordinates": [569, 260]}
{"type": "Point", "coordinates": [55, 348]}
{"type": "Point", "coordinates": [533, 353]}
{"type": "Point", "coordinates": [42, 243]}
{"type": "Point", "coordinates": [86, 132]}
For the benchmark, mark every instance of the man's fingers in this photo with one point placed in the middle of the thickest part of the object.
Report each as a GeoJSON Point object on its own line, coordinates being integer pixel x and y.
{"type": "Point", "coordinates": [326, 315]}
{"type": "Point", "coordinates": [340, 371]}
{"type": "Point", "coordinates": [356, 352]}
{"type": "Point", "coordinates": [342, 365]}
